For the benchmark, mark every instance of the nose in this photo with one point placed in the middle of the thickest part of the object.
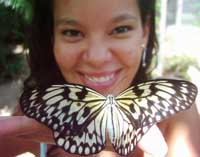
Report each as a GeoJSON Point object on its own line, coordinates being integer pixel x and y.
{"type": "Point", "coordinates": [97, 52]}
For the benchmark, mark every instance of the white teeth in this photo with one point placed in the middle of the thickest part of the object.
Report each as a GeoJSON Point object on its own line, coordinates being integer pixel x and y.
{"type": "Point", "coordinates": [99, 79]}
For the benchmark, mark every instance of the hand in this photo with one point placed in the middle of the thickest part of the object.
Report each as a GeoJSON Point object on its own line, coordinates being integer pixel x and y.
{"type": "Point", "coordinates": [153, 143]}
{"type": "Point", "coordinates": [26, 128]}
{"type": "Point", "coordinates": [23, 127]}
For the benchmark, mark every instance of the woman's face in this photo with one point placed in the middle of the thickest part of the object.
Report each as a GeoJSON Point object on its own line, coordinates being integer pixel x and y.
{"type": "Point", "coordinates": [98, 43]}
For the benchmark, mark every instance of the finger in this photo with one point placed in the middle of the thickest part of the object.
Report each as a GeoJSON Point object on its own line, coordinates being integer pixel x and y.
{"type": "Point", "coordinates": [39, 138]}
{"type": "Point", "coordinates": [19, 125]}
{"type": "Point", "coordinates": [153, 142]}
{"type": "Point", "coordinates": [26, 128]}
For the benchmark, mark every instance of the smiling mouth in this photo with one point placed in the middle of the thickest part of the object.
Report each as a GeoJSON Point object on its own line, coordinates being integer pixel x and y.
{"type": "Point", "coordinates": [101, 82]}
{"type": "Point", "coordinates": [101, 79]}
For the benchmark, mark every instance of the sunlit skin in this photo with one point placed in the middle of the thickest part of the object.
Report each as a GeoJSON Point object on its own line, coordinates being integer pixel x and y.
{"type": "Point", "coordinates": [101, 52]}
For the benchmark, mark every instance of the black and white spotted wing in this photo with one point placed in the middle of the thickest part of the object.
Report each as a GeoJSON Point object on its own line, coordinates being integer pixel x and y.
{"type": "Point", "coordinates": [62, 107]}
{"type": "Point", "coordinates": [81, 118]}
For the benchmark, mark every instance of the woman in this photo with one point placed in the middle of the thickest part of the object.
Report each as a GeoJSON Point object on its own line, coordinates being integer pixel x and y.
{"type": "Point", "coordinates": [106, 45]}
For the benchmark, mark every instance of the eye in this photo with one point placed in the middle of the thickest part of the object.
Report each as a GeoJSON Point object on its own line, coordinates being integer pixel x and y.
{"type": "Point", "coordinates": [72, 34]}
{"type": "Point", "coordinates": [122, 29]}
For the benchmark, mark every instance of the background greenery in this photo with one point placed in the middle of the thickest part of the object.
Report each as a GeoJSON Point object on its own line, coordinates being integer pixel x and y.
{"type": "Point", "coordinates": [14, 16]}
{"type": "Point", "coordinates": [178, 66]}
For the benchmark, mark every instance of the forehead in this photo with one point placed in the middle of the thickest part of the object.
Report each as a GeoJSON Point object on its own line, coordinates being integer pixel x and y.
{"type": "Point", "coordinates": [94, 8]}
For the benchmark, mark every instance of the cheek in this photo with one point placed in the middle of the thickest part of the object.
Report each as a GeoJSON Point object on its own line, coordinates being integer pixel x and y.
{"type": "Point", "coordinates": [130, 54]}
{"type": "Point", "coordinates": [133, 60]}
{"type": "Point", "coordinates": [65, 56]}
{"type": "Point", "coordinates": [133, 57]}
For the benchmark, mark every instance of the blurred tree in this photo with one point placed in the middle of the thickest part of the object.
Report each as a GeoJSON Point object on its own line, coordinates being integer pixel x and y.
{"type": "Point", "coordinates": [179, 66]}
{"type": "Point", "coordinates": [14, 16]}
{"type": "Point", "coordinates": [24, 7]}
{"type": "Point", "coordinates": [191, 12]}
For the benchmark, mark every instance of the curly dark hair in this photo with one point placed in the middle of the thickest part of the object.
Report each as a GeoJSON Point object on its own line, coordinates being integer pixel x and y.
{"type": "Point", "coordinates": [43, 67]}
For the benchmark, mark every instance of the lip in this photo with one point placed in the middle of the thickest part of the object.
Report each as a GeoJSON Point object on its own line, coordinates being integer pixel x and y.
{"type": "Point", "coordinates": [106, 79]}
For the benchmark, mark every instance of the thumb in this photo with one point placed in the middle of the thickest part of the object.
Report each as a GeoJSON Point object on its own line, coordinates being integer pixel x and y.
{"type": "Point", "coordinates": [154, 143]}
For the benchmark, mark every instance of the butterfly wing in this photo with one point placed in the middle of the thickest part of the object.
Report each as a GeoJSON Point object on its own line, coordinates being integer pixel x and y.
{"type": "Point", "coordinates": [73, 112]}
{"type": "Point", "coordinates": [124, 131]}
{"type": "Point", "coordinates": [147, 103]}
{"type": "Point", "coordinates": [90, 140]}
{"type": "Point", "coordinates": [156, 100]}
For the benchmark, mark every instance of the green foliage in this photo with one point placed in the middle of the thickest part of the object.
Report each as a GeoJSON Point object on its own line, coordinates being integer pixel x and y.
{"type": "Point", "coordinates": [192, 9]}
{"type": "Point", "coordinates": [12, 66]}
{"type": "Point", "coordinates": [23, 7]}
{"type": "Point", "coordinates": [12, 33]}
{"type": "Point", "coordinates": [178, 66]}
{"type": "Point", "coordinates": [11, 25]}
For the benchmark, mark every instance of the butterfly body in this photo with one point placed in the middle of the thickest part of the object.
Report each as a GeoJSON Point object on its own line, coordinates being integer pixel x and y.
{"type": "Point", "coordinates": [81, 119]}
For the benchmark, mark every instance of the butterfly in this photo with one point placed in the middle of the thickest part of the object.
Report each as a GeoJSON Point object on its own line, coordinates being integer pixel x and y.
{"type": "Point", "coordinates": [81, 118]}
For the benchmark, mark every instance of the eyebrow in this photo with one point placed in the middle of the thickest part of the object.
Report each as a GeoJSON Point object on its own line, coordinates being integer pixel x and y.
{"type": "Point", "coordinates": [123, 17]}
{"type": "Point", "coordinates": [72, 22]}
{"type": "Point", "coordinates": [66, 21]}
